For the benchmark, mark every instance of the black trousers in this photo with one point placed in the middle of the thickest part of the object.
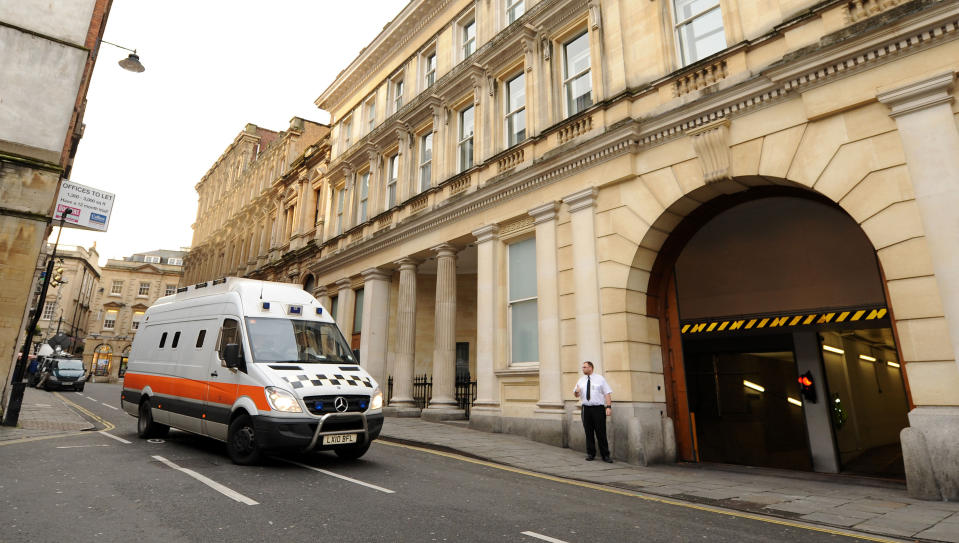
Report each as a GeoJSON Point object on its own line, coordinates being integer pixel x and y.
{"type": "Point", "coordinates": [594, 422]}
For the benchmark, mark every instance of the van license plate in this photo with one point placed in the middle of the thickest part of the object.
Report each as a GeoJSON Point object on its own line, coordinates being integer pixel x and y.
{"type": "Point", "coordinates": [339, 439]}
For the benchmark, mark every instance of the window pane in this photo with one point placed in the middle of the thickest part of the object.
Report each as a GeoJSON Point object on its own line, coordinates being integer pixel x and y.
{"type": "Point", "coordinates": [577, 55]}
{"type": "Point", "coordinates": [466, 154]}
{"type": "Point", "coordinates": [469, 38]}
{"type": "Point", "coordinates": [702, 37]}
{"type": "Point", "coordinates": [358, 312]}
{"type": "Point", "coordinates": [516, 92]}
{"type": "Point", "coordinates": [522, 269]}
{"type": "Point", "coordinates": [578, 93]}
{"type": "Point", "coordinates": [466, 123]}
{"type": "Point", "coordinates": [516, 127]}
{"type": "Point", "coordinates": [687, 8]}
{"type": "Point", "coordinates": [524, 333]}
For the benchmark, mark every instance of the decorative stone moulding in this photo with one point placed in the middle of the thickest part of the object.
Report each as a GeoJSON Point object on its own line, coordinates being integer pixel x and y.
{"type": "Point", "coordinates": [576, 128]}
{"type": "Point", "coordinates": [700, 78]}
{"type": "Point", "coordinates": [857, 10]}
{"type": "Point", "coordinates": [711, 143]}
{"type": "Point", "coordinates": [516, 225]}
{"type": "Point", "coordinates": [356, 236]}
{"type": "Point", "coordinates": [384, 221]}
{"type": "Point", "coordinates": [459, 185]}
{"type": "Point", "coordinates": [419, 204]}
{"type": "Point", "coordinates": [511, 160]}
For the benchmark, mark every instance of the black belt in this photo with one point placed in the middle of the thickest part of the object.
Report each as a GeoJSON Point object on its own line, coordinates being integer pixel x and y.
{"type": "Point", "coordinates": [603, 406]}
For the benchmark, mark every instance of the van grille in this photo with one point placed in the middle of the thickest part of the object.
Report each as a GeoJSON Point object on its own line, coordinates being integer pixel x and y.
{"type": "Point", "coordinates": [322, 405]}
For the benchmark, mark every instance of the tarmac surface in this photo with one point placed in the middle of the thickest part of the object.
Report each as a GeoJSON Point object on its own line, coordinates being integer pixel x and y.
{"type": "Point", "coordinates": [868, 506]}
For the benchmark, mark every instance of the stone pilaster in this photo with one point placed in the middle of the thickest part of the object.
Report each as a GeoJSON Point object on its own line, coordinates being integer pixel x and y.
{"type": "Point", "coordinates": [401, 402]}
{"type": "Point", "coordinates": [345, 300]}
{"type": "Point", "coordinates": [589, 340]}
{"type": "Point", "coordinates": [547, 308]}
{"type": "Point", "coordinates": [443, 405]}
{"type": "Point", "coordinates": [930, 140]}
{"type": "Point", "coordinates": [486, 408]}
{"type": "Point", "coordinates": [376, 305]}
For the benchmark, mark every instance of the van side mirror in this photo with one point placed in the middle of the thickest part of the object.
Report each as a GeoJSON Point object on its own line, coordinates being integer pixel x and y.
{"type": "Point", "coordinates": [232, 356]}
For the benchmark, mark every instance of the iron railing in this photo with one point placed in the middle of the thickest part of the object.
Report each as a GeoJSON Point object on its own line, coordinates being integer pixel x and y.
{"type": "Point", "coordinates": [465, 391]}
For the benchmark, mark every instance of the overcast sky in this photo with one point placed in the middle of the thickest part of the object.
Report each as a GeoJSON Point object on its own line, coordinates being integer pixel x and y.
{"type": "Point", "coordinates": [212, 66]}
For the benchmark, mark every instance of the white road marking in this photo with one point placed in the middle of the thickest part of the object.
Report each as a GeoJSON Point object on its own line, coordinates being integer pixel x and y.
{"type": "Point", "coordinates": [120, 439]}
{"type": "Point", "coordinates": [230, 493]}
{"type": "Point", "coordinates": [110, 406]}
{"type": "Point", "coordinates": [91, 398]}
{"type": "Point", "coordinates": [338, 476]}
{"type": "Point", "coordinates": [543, 537]}
{"type": "Point", "coordinates": [80, 446]}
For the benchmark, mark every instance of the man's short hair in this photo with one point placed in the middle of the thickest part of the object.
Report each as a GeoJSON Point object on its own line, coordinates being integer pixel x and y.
{"type": "Point", "coordinates": [590, 364]}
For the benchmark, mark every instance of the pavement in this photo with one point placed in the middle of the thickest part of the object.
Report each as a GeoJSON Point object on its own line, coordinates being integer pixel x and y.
{"type": "Point", "coordinates": [42, 415]}
{"type": "Point", "coordinates": [876, 507]}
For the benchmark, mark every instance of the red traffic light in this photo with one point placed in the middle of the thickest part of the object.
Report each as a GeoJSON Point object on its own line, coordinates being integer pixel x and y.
{"type": "Point", "coordinates": [805, 381]}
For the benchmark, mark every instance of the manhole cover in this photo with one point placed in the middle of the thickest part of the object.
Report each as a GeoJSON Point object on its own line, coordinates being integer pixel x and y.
{"type": "Point", "coordinates": [155, 441]}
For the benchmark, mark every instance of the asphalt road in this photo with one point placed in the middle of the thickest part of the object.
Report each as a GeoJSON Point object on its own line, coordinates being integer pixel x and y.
{"type": "Point", "coordinates": [94, 487]}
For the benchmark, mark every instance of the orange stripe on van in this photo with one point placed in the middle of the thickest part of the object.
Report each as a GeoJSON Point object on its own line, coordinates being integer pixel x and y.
{"type": "Point", "coordinates": [180, 387]}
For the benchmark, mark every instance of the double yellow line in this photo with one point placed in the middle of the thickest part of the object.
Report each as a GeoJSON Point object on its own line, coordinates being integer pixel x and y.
{"type": "Point", "coordinates": [611, 490]}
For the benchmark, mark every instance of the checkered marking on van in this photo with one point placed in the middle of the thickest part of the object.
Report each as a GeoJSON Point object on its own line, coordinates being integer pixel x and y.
{"type": "Point", "coordinates": [301, 380]}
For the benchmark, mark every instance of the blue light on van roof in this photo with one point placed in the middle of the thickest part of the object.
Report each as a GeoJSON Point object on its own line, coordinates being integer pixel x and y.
{"type": "Point", "coordinates": [266, 306]}
{"type": "Point", "coordinates": [296, 310]}
{"type": "Point", "coordinates": [319, 310]}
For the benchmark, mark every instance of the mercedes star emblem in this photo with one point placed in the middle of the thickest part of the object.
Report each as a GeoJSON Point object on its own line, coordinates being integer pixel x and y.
{"type": "Point", "coordinates": [341, 404]}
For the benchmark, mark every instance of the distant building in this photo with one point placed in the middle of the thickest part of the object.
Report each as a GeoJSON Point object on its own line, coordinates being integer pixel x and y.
{"type": "Point", "coordinates": [127, 288]}
{"type": "Point", "coordinates": [67, 306]}
{"type": "Point", "coordinates": [47, 54]}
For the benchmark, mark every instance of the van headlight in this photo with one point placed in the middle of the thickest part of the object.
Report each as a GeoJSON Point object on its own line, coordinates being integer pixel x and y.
{"type": "Point", "coordinates": [282, 400]}
{"type": "Point", "coordinates": [377, 401]}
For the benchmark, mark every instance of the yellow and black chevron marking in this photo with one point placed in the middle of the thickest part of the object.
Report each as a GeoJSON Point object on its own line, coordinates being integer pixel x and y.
{"type": "Point", "coordinates": [733, 324]}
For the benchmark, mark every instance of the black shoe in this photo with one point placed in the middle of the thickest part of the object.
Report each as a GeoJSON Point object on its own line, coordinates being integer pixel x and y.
{"type": "Point", "coordinates": [590, 458]}
{"type": "Point", "coordinates": [607, 459]}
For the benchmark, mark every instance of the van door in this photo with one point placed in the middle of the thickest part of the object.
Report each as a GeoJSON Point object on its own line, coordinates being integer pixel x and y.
{"type": "Point", "coordinates": [190, 386]}
{"type": "Point", "coordinates": [222, 381]}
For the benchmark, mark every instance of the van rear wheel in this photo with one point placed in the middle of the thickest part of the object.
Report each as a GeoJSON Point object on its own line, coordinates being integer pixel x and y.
{"type": "Point", "coordinates": [146, 427]}
{"type": "Point", "coordinates": [352, 452]}
{"type": "Point", "coordinates": [241, 442]}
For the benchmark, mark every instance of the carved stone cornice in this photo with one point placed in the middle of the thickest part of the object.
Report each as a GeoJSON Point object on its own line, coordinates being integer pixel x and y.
{"type": "Point", "coordinates": [919, 95]}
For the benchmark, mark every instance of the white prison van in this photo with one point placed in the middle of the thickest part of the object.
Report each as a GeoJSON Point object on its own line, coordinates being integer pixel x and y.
{"type": "Point", "coordinates": [257, 364]}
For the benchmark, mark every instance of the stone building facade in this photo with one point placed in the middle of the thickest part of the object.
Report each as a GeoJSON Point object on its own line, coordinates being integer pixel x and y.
{"type": "Point", "coordinates": [127, 288]}
{"type": "Point", "coordinates": [67, 307]}
{"type": "Point", "coordinates": [47, 54]}
{"type": "Point", "coordinates": [741, 212]}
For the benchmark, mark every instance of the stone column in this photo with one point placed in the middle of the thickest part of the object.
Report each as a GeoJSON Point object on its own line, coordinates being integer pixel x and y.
{"type": "Point", "coordinates": [547, 308]}
{"type": "Point", "coordinates": [486, 409]}
{"type": "Point", "coordinates": [323, 296]}
{"type": "Point", "coordinates": [345, 300]}
{"type": "Point", "coordinates": [401, 402]}
{"type": "Point", "coordinates": [263, 248]}
{"type": "Point", "coordinates": [443, 405]}
{"type": "Point", "coordinates": [589, 340]}
{"type": "Point", "coordinates": [376, 318]}
{"type": "Point", "coordinates": [930, 140]}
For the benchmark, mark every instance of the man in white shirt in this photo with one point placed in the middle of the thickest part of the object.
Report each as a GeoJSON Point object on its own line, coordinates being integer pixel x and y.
{"type": "Point", "coordinates": [597, 400]}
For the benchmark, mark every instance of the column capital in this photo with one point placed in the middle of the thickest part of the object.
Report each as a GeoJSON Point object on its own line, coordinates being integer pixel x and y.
{"type": "Point", "coordinates": [319, 292]}
{"type": "Point", "coordinates": [918, 95]}
{"type": "Point", "coordinates": [344, 283]}
{"type": "Point", "coordinates": [445, 250]}
{"type": "Point", "coordinates": [407, 263]}
{"type": "Point", "coordinates": [486, 233]}
{"type": "Point", "coordinates": [581, 200]}
{"type": "Point", "coordinates": [376, 274]}
{"type": "Point", "coordinates": [544, 213]}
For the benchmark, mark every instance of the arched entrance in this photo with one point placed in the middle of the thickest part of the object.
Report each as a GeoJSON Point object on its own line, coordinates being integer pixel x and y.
{"type": "Point", "coordinates": [778, 344]}
{"type": "Point", "coordinates": [124, 360]}
{"type": "Point", "coordinates": [101, 360]}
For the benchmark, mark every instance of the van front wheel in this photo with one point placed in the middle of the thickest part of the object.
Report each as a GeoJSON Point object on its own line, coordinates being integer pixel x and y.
{"type": "Point", "coordinates": [241, 442]}
{"type": "Point", "coordinates": [146, 427]}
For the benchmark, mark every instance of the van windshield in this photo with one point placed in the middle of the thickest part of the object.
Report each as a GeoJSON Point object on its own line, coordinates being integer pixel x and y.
{"type": "Point", "coordinates": [301, 341]}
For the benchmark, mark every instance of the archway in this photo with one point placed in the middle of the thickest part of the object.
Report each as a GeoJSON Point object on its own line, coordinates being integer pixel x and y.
{"type": "Point", "coordinates": [756, 291]}
{"type": "Point", "coordinates": [124, 360]}
{"type": "Point", "coordinates": [309, 283]}
{"type": "Point", "coordinates": [101, 359]}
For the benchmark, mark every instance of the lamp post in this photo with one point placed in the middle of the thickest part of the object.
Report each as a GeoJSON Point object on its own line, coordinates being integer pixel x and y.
{"type": "Point", "coordinates": [12, 415]}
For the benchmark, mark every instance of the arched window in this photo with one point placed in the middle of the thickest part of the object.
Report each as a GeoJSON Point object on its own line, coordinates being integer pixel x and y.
{"type": "Point", "coordinates": [308, 283]}
{"type": "Point", "coordinates": [102, 357]}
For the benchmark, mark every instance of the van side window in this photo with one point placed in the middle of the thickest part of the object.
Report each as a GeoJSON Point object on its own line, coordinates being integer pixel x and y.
{"type": "Point", "coordinates": [229, 333]}
{"type": "Point", "coordinates": [199, 338]}
{"type": "Point", "coordinates": [162, 340]}
{"type": "Point", "coordinates": [176, 339]}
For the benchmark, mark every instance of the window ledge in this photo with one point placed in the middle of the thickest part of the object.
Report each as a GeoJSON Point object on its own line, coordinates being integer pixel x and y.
{"type": "Point", "coordinates": [519, 371]}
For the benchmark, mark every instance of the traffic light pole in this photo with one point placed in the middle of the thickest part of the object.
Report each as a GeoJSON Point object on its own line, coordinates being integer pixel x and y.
{"type": "Point", "coordinates": [12, 414]}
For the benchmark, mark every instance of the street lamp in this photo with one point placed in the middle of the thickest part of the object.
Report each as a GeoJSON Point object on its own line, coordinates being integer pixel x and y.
{"type": "Point", "coordinates": [132, 62]}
